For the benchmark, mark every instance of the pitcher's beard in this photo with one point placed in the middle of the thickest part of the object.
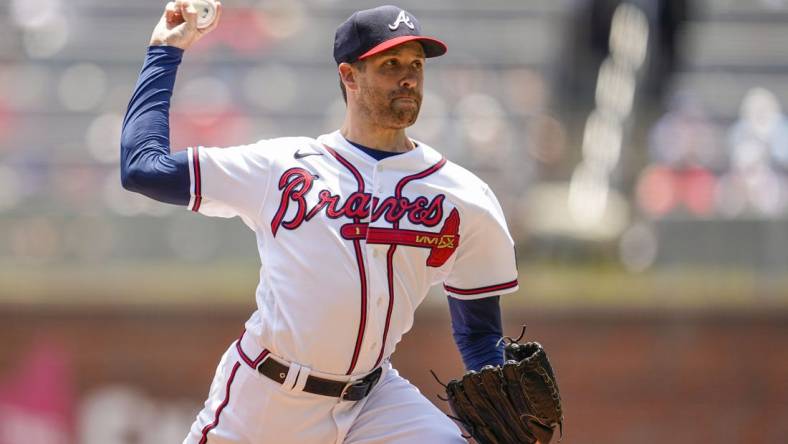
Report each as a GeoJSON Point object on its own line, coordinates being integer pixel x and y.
{"type": "Point", "coordinates": [387, 112]}
{"type": "Point", "coordinates": [403, 116]}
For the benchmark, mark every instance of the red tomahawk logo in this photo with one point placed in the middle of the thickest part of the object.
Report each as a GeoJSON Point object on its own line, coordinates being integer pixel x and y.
{"type": "Point", "coordinates": [441, 244]}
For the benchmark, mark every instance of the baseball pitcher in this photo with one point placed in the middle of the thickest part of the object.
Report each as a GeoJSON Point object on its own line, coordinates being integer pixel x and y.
{"type": "Point", "coordinates": [353, 228]}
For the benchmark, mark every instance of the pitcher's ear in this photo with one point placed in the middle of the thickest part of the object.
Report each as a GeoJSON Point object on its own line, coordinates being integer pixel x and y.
{"type": "Point", "coordinates": [348, 76]}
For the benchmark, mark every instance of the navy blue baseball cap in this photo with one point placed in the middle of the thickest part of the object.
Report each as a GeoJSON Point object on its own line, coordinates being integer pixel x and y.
{"type": "Point", "coordinates": [372, 31]}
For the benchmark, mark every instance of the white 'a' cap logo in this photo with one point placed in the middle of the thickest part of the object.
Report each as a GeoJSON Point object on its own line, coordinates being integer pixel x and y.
{"type": "Point", "coordinates": [401, 18]}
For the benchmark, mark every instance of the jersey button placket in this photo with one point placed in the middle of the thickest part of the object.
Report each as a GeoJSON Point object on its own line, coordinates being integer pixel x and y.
{"type": "Point", "coordinates": [377, 253]}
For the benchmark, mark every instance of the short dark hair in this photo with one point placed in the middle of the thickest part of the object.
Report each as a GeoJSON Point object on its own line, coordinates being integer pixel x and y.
{"type": "Point", "coordinates": [360, 65]}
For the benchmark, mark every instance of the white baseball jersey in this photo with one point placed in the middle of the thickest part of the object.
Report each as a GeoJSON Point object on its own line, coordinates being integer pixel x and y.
{"type": "Point", "coordinates": [350, 245]}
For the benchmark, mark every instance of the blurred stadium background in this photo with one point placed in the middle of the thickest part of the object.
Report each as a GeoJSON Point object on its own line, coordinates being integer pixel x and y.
{"type": "Point", "coordinates": [640, 151]}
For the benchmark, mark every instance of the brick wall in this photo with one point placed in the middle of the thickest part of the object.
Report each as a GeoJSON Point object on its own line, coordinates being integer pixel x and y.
{"type": "Point", "coordinates": [625, 377]}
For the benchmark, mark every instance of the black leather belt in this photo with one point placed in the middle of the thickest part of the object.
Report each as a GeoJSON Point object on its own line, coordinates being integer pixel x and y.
{"type": "Point", "coordinates": [349, 391]}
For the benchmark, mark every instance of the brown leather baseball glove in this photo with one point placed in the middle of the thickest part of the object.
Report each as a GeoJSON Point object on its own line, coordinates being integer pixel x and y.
{"type": "Point", "coordinates": [518, 402]}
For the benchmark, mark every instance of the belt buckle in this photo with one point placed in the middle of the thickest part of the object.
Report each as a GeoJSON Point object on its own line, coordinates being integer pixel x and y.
{"type": "Point", "coordinates": [358, 390]}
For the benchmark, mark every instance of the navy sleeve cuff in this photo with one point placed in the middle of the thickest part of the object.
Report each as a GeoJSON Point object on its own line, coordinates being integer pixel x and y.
{"type": "Point", "coordinates": [168, 50]}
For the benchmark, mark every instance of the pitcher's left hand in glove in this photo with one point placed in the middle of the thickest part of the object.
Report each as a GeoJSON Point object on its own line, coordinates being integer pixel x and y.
{"type": "Point", "coordinates": [518, 402]}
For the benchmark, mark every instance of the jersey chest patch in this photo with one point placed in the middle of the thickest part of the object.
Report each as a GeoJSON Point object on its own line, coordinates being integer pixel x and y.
{"type": "Point", "coordinates": [360, 208]}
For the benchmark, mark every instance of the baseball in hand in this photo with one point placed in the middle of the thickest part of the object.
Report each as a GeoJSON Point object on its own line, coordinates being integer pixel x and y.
{"type": "Point", "coordinates": [206, 12]}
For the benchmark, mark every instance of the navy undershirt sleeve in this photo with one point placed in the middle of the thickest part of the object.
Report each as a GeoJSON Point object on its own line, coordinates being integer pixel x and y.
{"type": "Point", "coordinates": [476, 326]}
{"type": "Point", "coordinates": [146, 164]}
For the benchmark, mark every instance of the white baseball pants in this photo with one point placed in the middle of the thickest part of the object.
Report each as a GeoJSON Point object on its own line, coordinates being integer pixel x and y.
{"type": "Point", "coordinates": [246, 407]}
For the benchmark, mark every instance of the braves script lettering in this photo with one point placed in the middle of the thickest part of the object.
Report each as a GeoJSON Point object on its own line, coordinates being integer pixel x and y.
{"type": "Point", "coordinates": [295, 183]}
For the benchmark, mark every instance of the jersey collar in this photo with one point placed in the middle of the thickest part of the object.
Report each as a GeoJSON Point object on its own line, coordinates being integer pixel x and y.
{"type": "Point", "coordinates": [416, 159]}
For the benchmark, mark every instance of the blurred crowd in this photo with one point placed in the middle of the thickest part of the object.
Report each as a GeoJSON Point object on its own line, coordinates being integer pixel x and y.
{"type": "Point", "coordinates": [700, 168]}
